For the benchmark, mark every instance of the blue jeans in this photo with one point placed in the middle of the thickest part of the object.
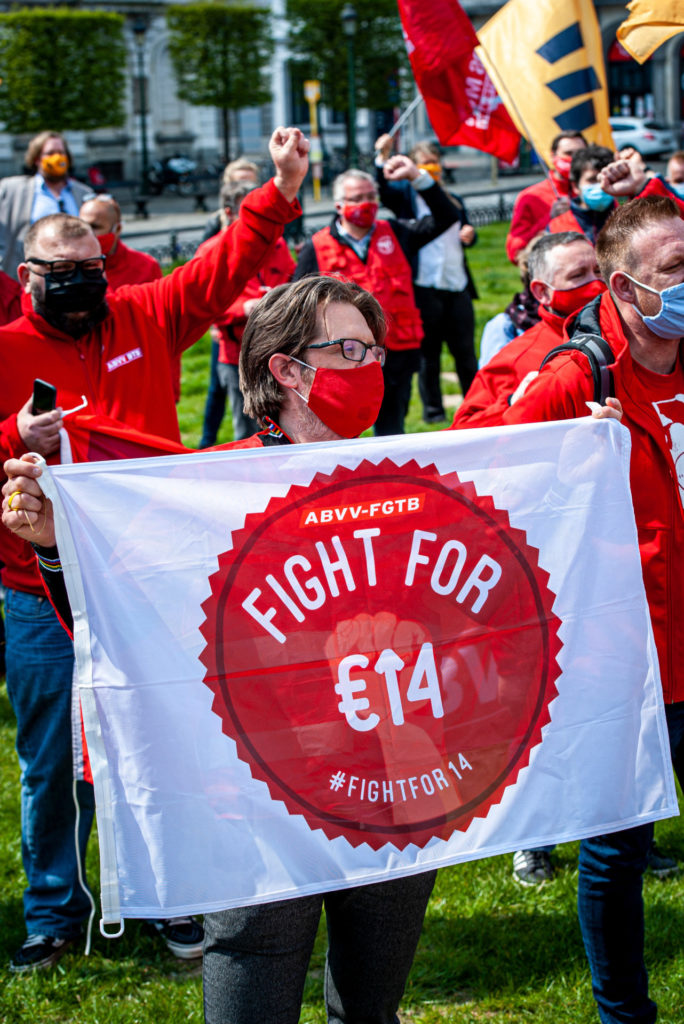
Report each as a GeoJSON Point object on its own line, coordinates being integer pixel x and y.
{"type": "Point", "coordinates": [215, 405]}
{"type": "Point", "coordinates": [229, 379]}
{"type": "Point", "coordinates": [611, 909]}
{"type": "Point", "coordinates": [39, 679]}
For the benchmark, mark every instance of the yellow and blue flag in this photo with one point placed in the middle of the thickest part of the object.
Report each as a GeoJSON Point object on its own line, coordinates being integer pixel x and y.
{"type": "Point", "coordinates": [546, 61]}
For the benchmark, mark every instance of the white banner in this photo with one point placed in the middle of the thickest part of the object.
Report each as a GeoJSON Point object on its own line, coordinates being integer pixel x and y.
{"type": "Point", "coordinates": [308, 667]}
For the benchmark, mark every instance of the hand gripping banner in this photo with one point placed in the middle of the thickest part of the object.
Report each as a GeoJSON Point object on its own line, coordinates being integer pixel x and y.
{"type": "Point", "coordinates": [308, 667]}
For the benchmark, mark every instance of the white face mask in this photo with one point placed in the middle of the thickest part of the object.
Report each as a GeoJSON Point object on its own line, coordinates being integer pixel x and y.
{"type": "Point", "coordinates": [669, 322]}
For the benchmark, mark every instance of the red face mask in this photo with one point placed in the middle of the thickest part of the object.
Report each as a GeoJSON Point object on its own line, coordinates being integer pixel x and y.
{"type": "Point", "coordinates": [107, 241]}
{"type": "Point", "coordinates": [347, 401]}
{"type": "Point", "coordinates": [361, 214]}
{"type": "Point", "coordinates": [567, 301]}
{"type": "Point", "coordinates": [562, 166]}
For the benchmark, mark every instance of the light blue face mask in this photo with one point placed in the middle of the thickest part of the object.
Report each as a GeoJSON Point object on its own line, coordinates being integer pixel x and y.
{"type": "Point", "coordinates": [678, 188]}
{"type": "Point", "coordinates": [669, 322]}
{"type": "Point", "coordinates": [595, 197]}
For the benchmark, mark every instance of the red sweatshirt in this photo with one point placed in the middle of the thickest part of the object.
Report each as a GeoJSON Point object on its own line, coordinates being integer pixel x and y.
{"type": "Point", "coordinates": [276, 269]}
{"type": "Point", "coordinates": [560, 392]}
{"type": "Point", "coordinates": [10, 298]}
{"type": "Point", "coordinates": [124, 366]}
{"type": "Point", "coordinates": [488, 396]}
{"type": "Point", "coordinates": [531, 212]}
{"type": "Point", "coordinates": [129, 266]}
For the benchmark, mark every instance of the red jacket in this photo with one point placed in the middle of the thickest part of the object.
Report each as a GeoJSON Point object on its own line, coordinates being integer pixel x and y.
{"type": "Point", "coordinates": [560, 392]}
{"type": "Point", "coordinates": [10, 298]}
{"type": "Point", "coordinates": [656, 186]}
{"type": "Point", "coordinates": [531, 212]}
{"type": "Point", "coordinates": [277, 269]}
{"type": "Point", "coordinates": [386, 274]}
{"type": "Point", "coordinates": [565, 222]}
{"type": "Point", "coordinates": [130, 266]}
{"type": "Point", "coordinates": [124, 366]}
{"type": "Point", "coordinates": [488, 396]}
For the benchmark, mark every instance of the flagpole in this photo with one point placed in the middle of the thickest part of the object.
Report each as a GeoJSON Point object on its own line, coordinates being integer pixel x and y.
{"type": "Point", "coordinates": [403, 118]}
{"type": "Point", "coordinates": [520, 118]}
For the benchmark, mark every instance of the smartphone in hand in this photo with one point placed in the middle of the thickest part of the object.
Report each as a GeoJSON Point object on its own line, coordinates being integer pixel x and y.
{"type": "Point", "coordinates": [44, 397]}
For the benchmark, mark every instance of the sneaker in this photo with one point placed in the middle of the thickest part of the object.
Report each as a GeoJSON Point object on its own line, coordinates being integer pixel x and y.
{"type": "Point", "coordinates": [659, 864]}
{"type": "Point", "coordinates": [39, 951]}
{"type": "Point", "coordinates": [182, 935]}
{"type": "Point", "coordinates": [532, 867]}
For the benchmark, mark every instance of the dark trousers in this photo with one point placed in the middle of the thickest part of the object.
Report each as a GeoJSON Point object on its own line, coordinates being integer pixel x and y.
{"type": "Point", "coordinates": [447, 316]}
{"type": "Point", "coordinates": [398, 374]}
{"type": "Point", "coordinates": [256, 958]}
{"type": "Point", "coordinates": [611, 909]}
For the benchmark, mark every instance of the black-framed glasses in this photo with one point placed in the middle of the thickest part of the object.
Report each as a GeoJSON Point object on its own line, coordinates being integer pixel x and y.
{"type": "Point", "coordinates": [354, 349]}
{"type": "Point", "coordinates": [64, 270]}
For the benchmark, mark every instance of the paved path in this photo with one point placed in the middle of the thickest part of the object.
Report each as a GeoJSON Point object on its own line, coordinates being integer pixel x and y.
{"type": "Point", "coordinates": [171, 213]}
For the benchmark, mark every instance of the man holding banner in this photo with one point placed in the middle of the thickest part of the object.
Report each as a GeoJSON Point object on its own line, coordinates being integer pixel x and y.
{"type": "Point", "coordinates": [117, 352]}
{"type": "Point", "coordinates": [641, 256]}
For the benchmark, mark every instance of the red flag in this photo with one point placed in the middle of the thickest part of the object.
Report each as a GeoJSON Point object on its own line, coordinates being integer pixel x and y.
{"type": "Point", "coordinates": [461, 101]}
{"type": "Point", "coordinates": [91, 438]}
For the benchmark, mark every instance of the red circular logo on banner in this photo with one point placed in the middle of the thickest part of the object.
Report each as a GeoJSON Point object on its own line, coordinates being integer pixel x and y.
{"type": "Point", "coordinates": [382, 648]}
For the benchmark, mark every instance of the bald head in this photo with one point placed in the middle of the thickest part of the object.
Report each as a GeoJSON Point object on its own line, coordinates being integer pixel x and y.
{"type": "Point", "coordinates": [103, 213]}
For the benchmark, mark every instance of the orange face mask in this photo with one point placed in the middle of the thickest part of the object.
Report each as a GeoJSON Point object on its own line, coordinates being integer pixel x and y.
{"type": "Point", "coordinates": [55, 165]}
{"type": "Point", "coordinates": [434, 170]}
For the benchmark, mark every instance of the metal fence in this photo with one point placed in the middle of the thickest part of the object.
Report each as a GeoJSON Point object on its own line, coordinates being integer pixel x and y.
{"type": "Point", "coordinates": [490, 214]}
{"type": "Point", "coordinates": [174, 249]}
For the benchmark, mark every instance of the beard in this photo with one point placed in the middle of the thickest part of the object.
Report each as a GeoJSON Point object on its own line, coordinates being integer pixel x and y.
{"type": "Point", "coordinates": [73, 324]}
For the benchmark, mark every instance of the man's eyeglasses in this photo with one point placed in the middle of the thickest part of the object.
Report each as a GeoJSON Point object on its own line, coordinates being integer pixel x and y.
{"type": "Point", "coordinates": [352, 348]}
{"type": "Point", "coordinates": [64, 270]}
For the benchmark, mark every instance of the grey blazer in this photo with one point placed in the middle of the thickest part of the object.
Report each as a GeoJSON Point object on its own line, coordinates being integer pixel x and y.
{"type": "Point", "coordinates": [16, 203]}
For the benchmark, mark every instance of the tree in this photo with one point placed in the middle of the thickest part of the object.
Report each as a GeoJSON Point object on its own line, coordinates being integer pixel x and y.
{"type": "Point", "coordinates": [220, 53]}
{"type": "Point", "coordinates": [61, 69]}
{"type": "Point", "coordinates": [318, 44]}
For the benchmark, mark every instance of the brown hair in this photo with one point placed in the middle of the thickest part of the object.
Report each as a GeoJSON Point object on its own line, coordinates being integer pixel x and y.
{"type": "Point", "coordinates": [426, 146]}
{"type": "Point", "coordinates": [63, 224]}
{"type": "Point", "coordinates": [286, 320]}
{"type": "Point", "coordinates": [36, 144]}
{"type": "Point", "coordinates": [570, 134]}
{"type": "Point", "coordinates": [593, 158]}
{"type": "Point", "coordinates": [614, 243]}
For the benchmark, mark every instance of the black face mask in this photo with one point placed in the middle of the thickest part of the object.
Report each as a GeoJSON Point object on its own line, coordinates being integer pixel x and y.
{"type": "Point", "coordinates": [78, 294]}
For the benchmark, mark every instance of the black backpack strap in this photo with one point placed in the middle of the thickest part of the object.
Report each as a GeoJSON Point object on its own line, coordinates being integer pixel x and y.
{"type": "Point", "coordinates": [600, 356]}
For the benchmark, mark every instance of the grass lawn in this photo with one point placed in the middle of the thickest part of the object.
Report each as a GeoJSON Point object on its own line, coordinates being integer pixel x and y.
{"type": "Point", "coordinates": [490, 952]}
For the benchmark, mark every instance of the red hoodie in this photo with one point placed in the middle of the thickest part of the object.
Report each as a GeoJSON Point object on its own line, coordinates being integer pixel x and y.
{"type": "Point", "coordinates": [489, 394]}
{"type": "Point", "coordinates": [124, 366]}
{"type": "Point", "coordinates": [560, 392]}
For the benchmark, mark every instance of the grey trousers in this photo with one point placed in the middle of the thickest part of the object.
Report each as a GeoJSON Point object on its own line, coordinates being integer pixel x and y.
{"type": "Point", "coordinates": [256, 958]}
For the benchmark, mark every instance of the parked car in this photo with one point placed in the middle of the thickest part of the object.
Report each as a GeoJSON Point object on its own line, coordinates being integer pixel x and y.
{"type": "Point", "coordinates": [651, 138]}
